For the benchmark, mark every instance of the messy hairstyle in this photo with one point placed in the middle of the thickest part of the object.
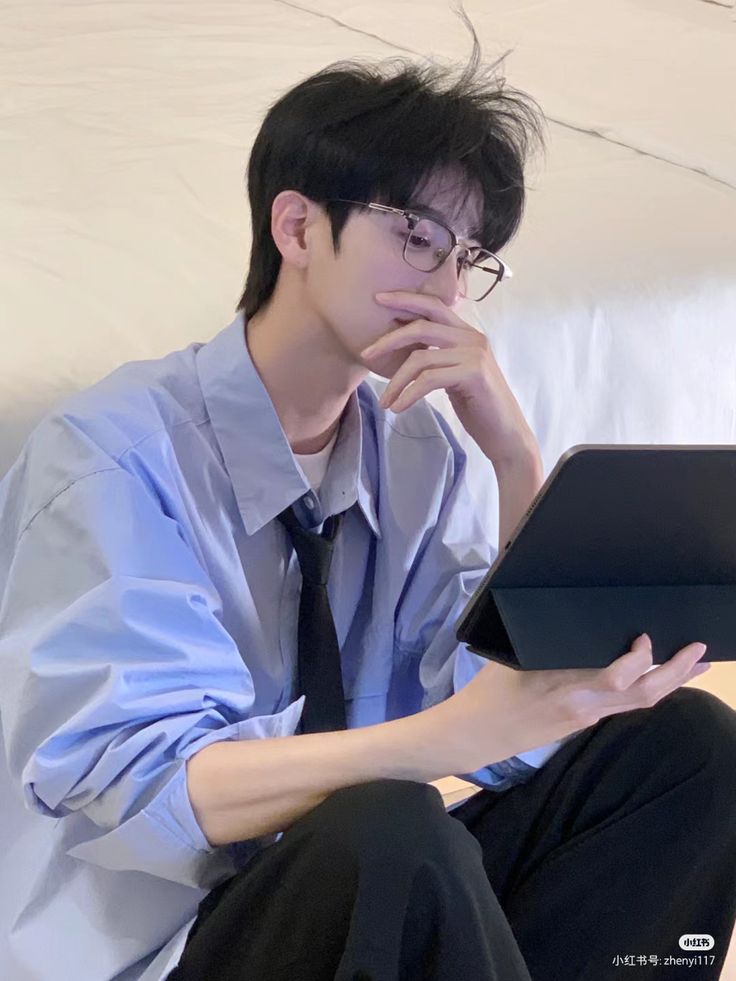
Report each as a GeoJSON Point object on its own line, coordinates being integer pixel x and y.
{"type": "Point", "coordinates": [377, 132]}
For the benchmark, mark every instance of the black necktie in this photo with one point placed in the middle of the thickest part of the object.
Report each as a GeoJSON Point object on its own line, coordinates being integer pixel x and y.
{"type": "Point", "coordinates": [319, 673]}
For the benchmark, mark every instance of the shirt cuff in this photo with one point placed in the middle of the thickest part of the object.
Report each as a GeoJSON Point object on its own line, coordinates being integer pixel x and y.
{"type": "Point", "coordinates": [164, 838]}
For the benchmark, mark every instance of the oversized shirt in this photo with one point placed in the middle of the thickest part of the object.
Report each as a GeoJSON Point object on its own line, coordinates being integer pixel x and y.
{"type": "Point", "coordinates": [148, 607]}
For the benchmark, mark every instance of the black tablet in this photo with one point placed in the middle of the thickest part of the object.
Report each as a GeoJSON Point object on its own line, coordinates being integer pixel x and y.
{"type": "Point", "coordinates": [620, 540]}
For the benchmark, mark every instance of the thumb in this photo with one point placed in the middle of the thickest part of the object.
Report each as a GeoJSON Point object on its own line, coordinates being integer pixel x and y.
{"type": "Point", "coordinates": [643, 644]}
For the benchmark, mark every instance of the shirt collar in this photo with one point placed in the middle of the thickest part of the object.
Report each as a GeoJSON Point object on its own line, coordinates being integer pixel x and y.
{"type": "Point", "coordinates": [266, 477]}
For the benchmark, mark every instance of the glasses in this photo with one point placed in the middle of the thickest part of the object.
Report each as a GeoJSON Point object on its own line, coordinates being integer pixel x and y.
{"type": "Point", "coordinates": [428, 242]}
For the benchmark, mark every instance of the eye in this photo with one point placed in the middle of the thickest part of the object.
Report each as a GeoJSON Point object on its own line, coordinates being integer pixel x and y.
{"type": "Point", "coordinates": [418, 241]}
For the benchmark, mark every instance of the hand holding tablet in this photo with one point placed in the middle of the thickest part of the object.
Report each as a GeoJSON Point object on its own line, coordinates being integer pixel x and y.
{"type": "Point", "coordinates": [502, 712]}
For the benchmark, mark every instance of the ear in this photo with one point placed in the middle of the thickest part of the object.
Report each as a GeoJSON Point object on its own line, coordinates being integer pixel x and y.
{"type": "Point", "coordinates": [292, 214]}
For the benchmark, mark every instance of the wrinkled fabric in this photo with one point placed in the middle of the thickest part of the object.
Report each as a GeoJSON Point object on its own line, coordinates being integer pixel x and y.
{"type": "Point", "coordinates": [148, 608]}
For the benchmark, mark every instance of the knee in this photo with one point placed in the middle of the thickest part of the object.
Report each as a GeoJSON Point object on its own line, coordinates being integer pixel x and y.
{"type": "Point", "coordinates": [396, 820]}
{"type": "Point", "coordinates": [701, 722]}
{"type": "Point", "coordinates": [698, 727]}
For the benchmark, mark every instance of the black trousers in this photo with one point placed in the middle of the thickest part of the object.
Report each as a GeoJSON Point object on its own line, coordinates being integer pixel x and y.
{"type": "Point", "coordinates": [621, 843]}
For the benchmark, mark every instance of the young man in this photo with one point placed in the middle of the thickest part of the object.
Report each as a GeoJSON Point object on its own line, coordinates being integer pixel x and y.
{"type": "Point", "coordinates": [150, 622]}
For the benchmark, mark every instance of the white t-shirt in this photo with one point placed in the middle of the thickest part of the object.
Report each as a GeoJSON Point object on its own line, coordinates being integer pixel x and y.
{"type": "Point", "coordinates": [314, 465]}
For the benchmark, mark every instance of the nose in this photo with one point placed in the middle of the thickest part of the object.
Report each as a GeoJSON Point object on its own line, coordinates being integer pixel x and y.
{"type": "Point", "coordinates": [445, 281]}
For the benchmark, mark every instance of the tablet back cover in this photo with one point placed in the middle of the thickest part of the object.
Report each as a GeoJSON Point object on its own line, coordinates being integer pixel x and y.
{"type": "Point", "coordinates": [619, 540]}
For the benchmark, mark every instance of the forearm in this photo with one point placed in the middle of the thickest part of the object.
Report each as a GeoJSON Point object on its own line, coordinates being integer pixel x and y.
{"type": "Point", "coordinates": [249, 788]}
{"type": "Point", "coordinates": [519, 481]}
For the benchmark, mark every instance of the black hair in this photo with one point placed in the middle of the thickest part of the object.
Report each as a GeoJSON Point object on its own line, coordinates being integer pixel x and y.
{"type": "Point", "coordinates": [377, 132]}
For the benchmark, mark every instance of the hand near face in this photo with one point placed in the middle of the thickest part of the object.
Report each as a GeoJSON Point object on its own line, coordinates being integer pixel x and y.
{"type": "Point", "coordinates": [446, 352]}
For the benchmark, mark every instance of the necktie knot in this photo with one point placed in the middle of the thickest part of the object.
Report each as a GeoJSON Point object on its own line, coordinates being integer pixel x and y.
{"type": "Point", "coordinates": [314, 551]}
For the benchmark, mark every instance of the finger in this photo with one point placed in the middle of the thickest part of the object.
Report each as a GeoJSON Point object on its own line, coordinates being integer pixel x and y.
{"type": "Point", "coordinates": [418, 331]}
{"type": "Point", "coordinates": [429, 307]}
{"type": "Point", "coordinates": [668, 676]}
{"type": "Point", "coordinates": [417, 362]}
{"type": "Point", "coordinates": [619, 674]}
{"type": "Point", "coordinates": [429, 380]}
{"type": "Point", "coordinates": [632, 681]}
{"type": "Point", "coordinates": [624, 671]}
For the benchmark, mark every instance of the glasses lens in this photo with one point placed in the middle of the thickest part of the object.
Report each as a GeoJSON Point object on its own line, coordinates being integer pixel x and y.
{"type": "Point", "coordinates": [478, 277]}
{"type": "Point", "coordinates": [427, 244]}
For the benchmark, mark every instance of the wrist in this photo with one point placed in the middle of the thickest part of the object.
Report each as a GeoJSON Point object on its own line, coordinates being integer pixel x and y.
{"type": "Point", "coordinates": [519, 482]}
{"type": "Point", "coordinates": [426, 747]}
{"type": "Point", "coordinates": [523, 461]}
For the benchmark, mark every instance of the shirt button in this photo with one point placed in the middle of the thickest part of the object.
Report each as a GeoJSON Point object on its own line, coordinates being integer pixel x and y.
{"type": "Point", "coordinates": [309, 502]}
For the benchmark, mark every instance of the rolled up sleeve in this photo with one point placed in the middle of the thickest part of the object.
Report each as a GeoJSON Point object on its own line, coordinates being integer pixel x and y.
{"type": "Point", "coordinates": [453, 562]}
{"type": "Point", "coordinates": [114, 670]}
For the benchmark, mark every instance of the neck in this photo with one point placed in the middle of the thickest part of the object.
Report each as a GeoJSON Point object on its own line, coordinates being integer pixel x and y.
{"type": "Point", "coordinates": [307, 373]}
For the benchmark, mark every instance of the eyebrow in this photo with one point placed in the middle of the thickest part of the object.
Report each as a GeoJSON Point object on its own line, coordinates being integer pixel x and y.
{"type": "Point", "coordinates": [433, 213]}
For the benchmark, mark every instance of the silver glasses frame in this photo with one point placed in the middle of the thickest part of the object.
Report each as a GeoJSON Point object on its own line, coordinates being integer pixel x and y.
{"type": "Point", "coordinates": [414, 216]}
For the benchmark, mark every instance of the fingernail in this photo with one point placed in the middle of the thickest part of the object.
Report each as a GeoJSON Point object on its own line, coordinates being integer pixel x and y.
{"type": "Point", "coordinates": [645, 637]}
{"type": "Point", "coordinates": [701, 648]}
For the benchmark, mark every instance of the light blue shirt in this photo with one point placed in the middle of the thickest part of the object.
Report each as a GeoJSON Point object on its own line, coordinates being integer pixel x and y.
{"type": "Point", "coordinates": [148, 607]}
